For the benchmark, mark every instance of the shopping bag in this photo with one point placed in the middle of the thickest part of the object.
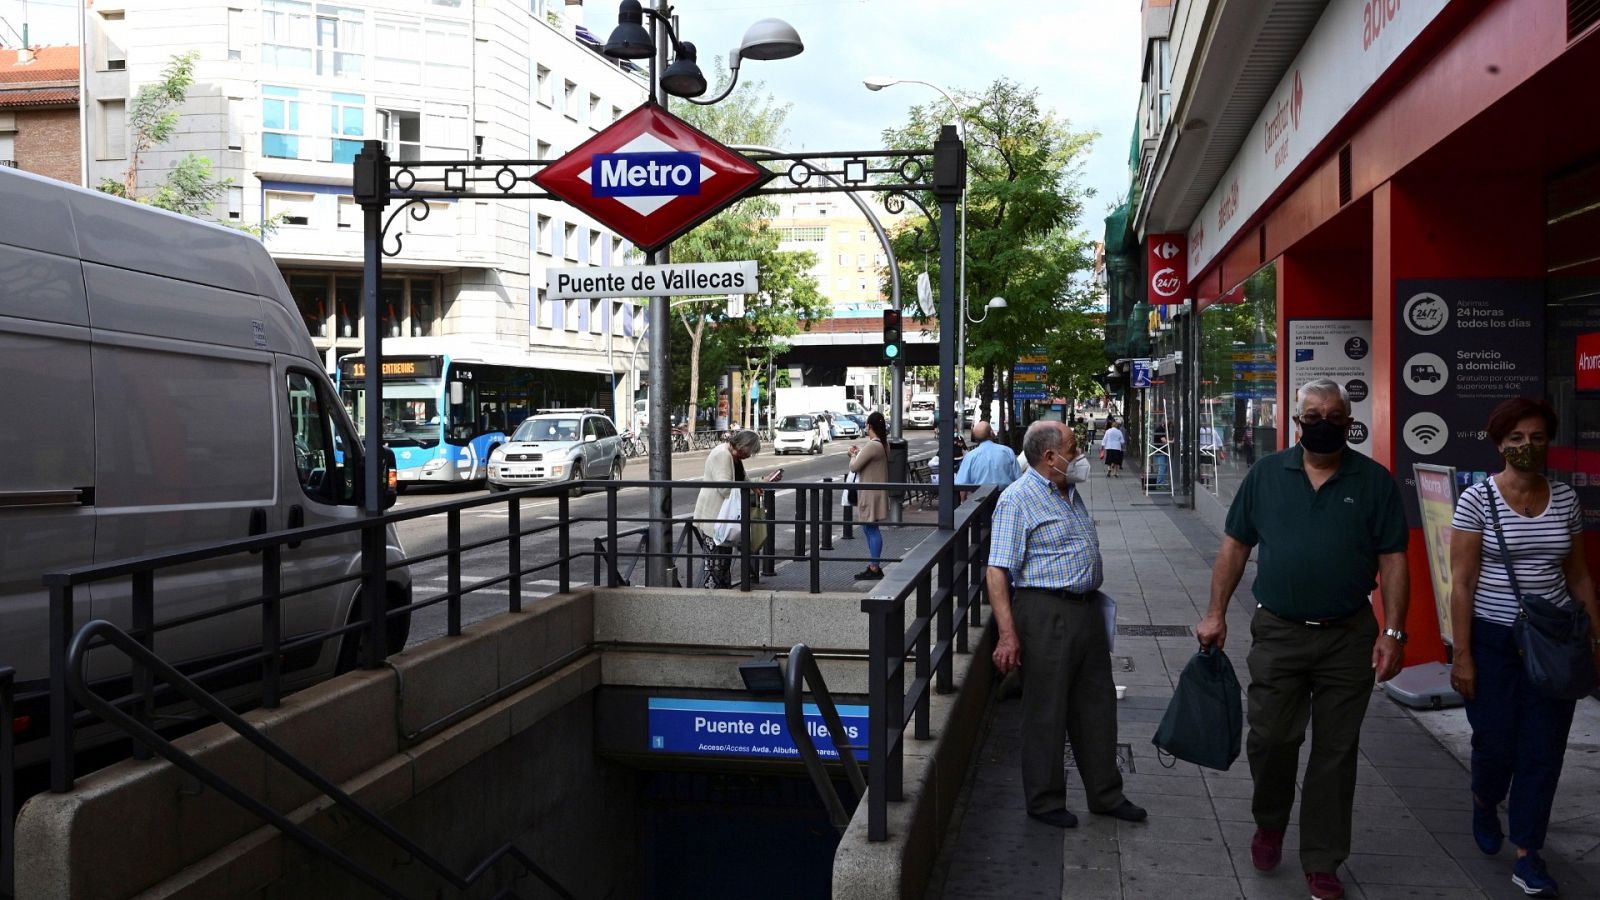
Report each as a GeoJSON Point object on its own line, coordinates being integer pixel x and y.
{"type": "Point", "coordinates": [726, 531]}
{"type": "Point", "coordinates": [1204, 722]}
{"type": "Point", "coordinates": [1102, 453]}
{"type": "Point", "coordinates": [850, 495]}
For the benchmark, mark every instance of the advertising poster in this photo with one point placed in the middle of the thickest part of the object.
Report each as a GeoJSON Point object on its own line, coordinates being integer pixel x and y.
{"type": "Point", "coordinates": [745, 728]}
{"type": "Point", "coordinates": [1461, 347]}
{"type": "Point", "coordinates": [1436, 499]}
{"type": "Point", "coordinates": [1573, 351]}
{"type": "Point", "coordinates": [1340, 349]}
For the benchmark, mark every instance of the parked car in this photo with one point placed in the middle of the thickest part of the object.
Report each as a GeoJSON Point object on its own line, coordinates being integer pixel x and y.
{"type": "Point", "coordinates": [797, 434]}
{"type": "Point", "coordinates": [558, 445]}
{"type": "Point", "coordinates": [923, 415]}
{"type": "Point", "coordinates": [846, 426]}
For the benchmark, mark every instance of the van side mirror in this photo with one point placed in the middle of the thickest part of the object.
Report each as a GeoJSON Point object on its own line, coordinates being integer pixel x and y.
{"type": "Point", "coordinates": [458, 393]}
{"type": "Point", "coordinates": [388, 480]}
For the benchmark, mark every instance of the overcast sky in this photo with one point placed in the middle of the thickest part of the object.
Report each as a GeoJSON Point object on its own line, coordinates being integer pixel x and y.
{"type": "Point", "coordinates": [1083, 55]}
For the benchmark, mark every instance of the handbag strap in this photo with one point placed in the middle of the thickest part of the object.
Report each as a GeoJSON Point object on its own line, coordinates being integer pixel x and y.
{"type": "Point", "coordinates": [1500, 538]}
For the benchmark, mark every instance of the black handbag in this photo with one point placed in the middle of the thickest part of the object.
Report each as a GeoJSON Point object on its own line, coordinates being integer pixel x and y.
{"type": "Point", "coordinates": [1551, 638]}
{"type": "Point", "coordinates": [1204, 722]}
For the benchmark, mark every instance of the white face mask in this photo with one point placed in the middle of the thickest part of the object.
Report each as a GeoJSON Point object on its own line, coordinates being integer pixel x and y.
{"type": "Point", "coordinates": [1078, 470]}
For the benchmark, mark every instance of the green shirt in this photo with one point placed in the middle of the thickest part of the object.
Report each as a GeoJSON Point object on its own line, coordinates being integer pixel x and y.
{"type": "Point", "coordinates": [1319, 549]}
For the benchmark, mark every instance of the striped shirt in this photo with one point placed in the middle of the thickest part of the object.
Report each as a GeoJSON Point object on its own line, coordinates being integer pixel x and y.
{"type": "Point", "coordinates": [1538, 544]}
{"type": "Point", "coordinates": [1045, 538]}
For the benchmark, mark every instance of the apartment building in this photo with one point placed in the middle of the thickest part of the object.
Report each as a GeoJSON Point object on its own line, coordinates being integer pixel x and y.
{"type": "Point", "coordinates": [286, 91]}
{"type": "Point", "coordinates": [39, 111]}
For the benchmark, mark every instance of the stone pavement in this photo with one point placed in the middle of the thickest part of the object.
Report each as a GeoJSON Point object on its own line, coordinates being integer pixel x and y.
{"type": "Point", "coordinates": [1412, 834]}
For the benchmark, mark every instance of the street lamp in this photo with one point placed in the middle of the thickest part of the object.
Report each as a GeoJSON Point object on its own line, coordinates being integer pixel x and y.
{"type": "Point", "coordinates": [766, 39]}
{"type": "Point", "coordinates": [878, 83]}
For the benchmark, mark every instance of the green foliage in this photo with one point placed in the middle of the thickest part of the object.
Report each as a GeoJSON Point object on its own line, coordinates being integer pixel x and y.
{"type": "Point", "coordinates": [1024, 237]}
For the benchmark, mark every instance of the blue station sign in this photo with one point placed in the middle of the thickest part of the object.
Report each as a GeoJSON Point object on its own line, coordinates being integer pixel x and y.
{"type": "Point", "coordinates": [745, 728]}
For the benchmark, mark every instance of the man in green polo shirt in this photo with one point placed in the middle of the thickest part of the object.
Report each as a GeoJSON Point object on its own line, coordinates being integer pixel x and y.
{"type": "Point", "coordinates": [1329, 524]}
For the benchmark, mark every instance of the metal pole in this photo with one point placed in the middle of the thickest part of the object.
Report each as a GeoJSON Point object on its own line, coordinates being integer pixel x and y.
{"type": "Point", "coordinates": [372, 191]}
{"type": "Point", "coordinates": [658, 567]}
{"type": "Point", "coordinates": [949, 183]}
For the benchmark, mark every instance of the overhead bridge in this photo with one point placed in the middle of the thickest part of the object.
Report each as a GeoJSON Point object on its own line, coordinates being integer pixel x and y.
{"type": "Point", "coordinates": [858, 341]}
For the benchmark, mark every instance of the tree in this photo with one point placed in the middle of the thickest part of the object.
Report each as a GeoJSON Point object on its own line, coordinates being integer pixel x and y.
{"type": "Point", "coordinates": [788, 299]}
{"type": "Point", "coordinates": [190, 188]}
{"type": "Point", "coordinates": [1024, 240]}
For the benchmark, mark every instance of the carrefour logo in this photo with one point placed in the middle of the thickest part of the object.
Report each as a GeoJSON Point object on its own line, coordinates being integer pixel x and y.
{"type": "Point", "coordinates": [651, 174]}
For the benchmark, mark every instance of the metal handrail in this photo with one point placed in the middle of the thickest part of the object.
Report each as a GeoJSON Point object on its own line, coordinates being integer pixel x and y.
{"type": "Point", "coordinates": [101, 632]}
{"type": "Point", "coordinates": [803, 670]}
{"type": "Point", "coordinates": [8, 785]}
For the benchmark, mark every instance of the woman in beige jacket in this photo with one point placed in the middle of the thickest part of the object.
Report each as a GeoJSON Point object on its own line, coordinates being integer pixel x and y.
{"type": "Point", "coordinates": [870, 463]}
{"type": "Point", "coordinates": [724, 463]}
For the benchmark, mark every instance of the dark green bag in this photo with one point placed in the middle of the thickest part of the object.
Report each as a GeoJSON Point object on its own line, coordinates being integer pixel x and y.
{"type": "Point", "coordinates": [1204, 723]}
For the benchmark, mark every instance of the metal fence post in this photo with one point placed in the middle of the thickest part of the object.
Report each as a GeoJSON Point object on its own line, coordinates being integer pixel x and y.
{"type": "Point", "coordinates": [271, 624]}
{"type": "Point", "coordinates": [944, 616]}
{"type": "Point", "coordinates": [894, 642]}
{"type": "Point", "coordinates": [799, 521]}
{"type": "Point", "coordinates": [8, 785]}
{"type": "Point", "coordinates": [877, 724]}
{"type": "Point", "coordinates": [61, 705]}
{"type": "Point", "coordinates": [816, 546]}
{"type": "Point", "coordinates": [847, 513]}
{"type": "Point", "coordinates": [143, 620]}
{"type": "Point", "coordinates": [744, 538]}
{"type": "Point", "coordinates": [769, 548]}
{"type": "Point", "coordinates": [614, 576]}
{"type": "Point", "coordinates": [563, 537]}
{"type": "Point", "coordinates": [923, 655]}
{"type": "Point", "coordinates": [453, 573]}
{"type": "Point", "coordinates": [373, 561]}
{"type": "Point", "coordinates": [514, 552]}
{"type": "Point", "coordinates": [827, 514]}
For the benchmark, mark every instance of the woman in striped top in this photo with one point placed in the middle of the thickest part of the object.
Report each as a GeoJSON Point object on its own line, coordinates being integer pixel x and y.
{"type": "Point", "coordinates": [1519, 735]}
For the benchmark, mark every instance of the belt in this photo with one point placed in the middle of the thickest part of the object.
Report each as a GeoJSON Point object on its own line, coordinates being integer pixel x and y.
{"type": "Point", "coordinates": [1311, 623]}
{"type": "Point", "coordinates": [1059, 593]}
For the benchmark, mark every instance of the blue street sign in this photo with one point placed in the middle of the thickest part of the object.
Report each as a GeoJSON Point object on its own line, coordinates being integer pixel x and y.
{"type": "Point", "coordinates": [745, 728]}
{"type": "Point", "coordinates": [1141, 373]}
{"type": "Point", "coordinates": [1029, 367]}
{"type": "Point", "coordinates": [1027, 394]}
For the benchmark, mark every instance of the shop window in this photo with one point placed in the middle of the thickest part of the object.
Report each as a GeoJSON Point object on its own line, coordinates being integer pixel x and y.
{"type": "Point", "coordinates": [310, 294]}
{"type": "Point", "coordinates": [1239, 415]}
{"type": "Point", "coordinates": [424, 307]}
{"type": "Point", "coordinates": [347, 306]}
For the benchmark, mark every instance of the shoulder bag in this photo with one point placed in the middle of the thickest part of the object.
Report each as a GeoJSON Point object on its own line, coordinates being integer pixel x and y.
{"type": "Point", "coordinates": [1551, 638]}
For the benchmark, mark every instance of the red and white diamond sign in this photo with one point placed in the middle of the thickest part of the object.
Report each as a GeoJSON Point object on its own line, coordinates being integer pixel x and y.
{"type": "Point", "coordinates": [651, 176]}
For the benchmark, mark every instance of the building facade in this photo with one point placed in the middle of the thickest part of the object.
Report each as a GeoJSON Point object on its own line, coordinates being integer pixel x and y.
{"type": "Point", "coordinates": [39, 111]}
{"type": "Point", "coordinates": [285, 93]}
{"type": "Point", "coordinates": [1402, 196]}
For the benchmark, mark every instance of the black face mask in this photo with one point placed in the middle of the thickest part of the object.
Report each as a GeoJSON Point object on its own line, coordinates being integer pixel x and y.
{"type": "Point", "coordinates": [1323, 437]}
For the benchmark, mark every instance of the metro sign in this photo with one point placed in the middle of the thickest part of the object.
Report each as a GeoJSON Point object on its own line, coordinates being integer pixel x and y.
{"type": "Point", "coordinates": [1168, 267]}
{"type": "Point", "coordinates": [651, 176]}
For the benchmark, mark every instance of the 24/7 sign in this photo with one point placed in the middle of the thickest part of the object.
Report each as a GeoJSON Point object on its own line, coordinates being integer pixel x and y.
{"type": "Point", "coordinates": [651, 176]}
{"type": "Point", "coordinates": [1168, 265]}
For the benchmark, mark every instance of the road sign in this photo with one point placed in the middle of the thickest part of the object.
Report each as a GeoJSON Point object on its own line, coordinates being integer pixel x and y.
{"type": "Point", "coordinates": [675, 280]}
{"type": "Point", "coordinates": [1030, 367]}
{"type": "Point", "coordinates": [1141, 373]}
{"type": "Point", "coordinates": [651, 176]}
{"type": "Point", "coordinates": [1029, 393]}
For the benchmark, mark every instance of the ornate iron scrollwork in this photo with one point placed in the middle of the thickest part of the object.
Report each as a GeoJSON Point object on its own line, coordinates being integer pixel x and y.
{"type": "Point", "coordinates": [419, 211]}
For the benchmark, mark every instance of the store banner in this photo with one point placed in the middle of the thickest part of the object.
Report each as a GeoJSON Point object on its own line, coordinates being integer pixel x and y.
{"type": "Point", "coordinates": [1340, 349]}
{"type": "Point", "coordinates": [1436, 499]}
{"type": "Point", "coordinates": [1586, 362]}
{"type": "Point", "coordinates": [1461, 347]}
{"type": "Point", "coordinates": [1168, 265]}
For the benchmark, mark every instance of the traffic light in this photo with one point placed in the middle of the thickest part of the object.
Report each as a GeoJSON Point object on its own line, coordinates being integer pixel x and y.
{"type": "Point", "coordinates": [893, 344]}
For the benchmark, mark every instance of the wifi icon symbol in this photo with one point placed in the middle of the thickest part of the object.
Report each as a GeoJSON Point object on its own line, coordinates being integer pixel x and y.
{"type": "Point", "coordinates": [1426, 433]}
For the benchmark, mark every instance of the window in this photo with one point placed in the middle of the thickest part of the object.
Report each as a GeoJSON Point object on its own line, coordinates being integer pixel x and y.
{"type": "Point", "coordinates": [235, 203]}
{"type": "Point", "coordinates": [113, 129]}
{"type": "Point", "coordinates": [543, 234]}
{"type": "Point", "coordinates": [235, 131]}
{"type": "Point", "coordinates": [616, 113]}
{"type": "Point", "coordinates": [542, 90]}
{"type": "Point", "coordinates": [397, 52]}
{"type": "Point", "coordinates": [569, 105]}
{"type": "Point", "coordinates": [844, 259]}
{"type": "Point", "coordinates": [311, 125]}
{"type": "Point", "coordinates": [310, 294]}
{"type": "Point", "coordinates": [347, 122]}
{"type": "Point", "coordinates": [804, 234]}
{"type": "Point", "coordinates": [596, 242]}
{"type": "Point", "coordinates": [8, 148]}
{"type": "Point", "coordinates": [424, 309]}
{"type": "Point", "coordinates": [296, 209]}
{"type": "Point", "coordinates": [861, 260]}
{"type": "Point", "coordinates": [444, 131]}
{"type": "Point", "coordinates": [544, 312]}
{"type": "Point", "coordinates": [844, 237]}
{"type": "Point", "coordinates": [861, 236]}
{"type": "Point", "coordinates": [318, 443]}
{"type": "Point", "coordinates": [616, 251]}
{"type": "Point", "coordinates": [349, 213]}
{"type": "Point", "coordinates": [598, 316]}
{"type": "Point", "coordinates": [339, 41]}
{"type": "Point", "coordinates": [572, 313]}
{"type": "Point", "coordinates": [541, 150]}
{"type": "Point", "coordinates": [236, 34]}
{"type": "Point", "coordinates": [447, 51]}
{"type": "Point", "coordinates": [113, 41]}
{"type": "Point", "coordinates": [594, 112]}
{"type": "Point", "coordinates": [401, 130]}
{"type": "Point", "coordinates": [286, 37]}
{"type": "Point", "coordinates": [569, 235]}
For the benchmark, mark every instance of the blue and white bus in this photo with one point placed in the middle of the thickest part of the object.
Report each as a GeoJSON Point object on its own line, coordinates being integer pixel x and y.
{"type": "Point", "coordinates": [446, 405]}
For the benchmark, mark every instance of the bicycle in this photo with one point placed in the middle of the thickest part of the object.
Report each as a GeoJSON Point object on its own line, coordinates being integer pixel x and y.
{"type": "Point", "coordinates": [680, 441]}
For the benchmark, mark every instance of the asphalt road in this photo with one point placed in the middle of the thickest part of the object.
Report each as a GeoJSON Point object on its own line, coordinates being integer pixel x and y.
{"type": "Point", "coordinates": [426, 535]}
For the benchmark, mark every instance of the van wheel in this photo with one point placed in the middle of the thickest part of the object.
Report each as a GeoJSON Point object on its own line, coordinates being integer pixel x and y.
{"type": "Point", "coordinates": [396, 631]}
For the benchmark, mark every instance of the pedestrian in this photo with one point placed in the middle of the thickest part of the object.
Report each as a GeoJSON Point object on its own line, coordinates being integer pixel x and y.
{"type": "Point", "coordinates": [987, 462]}
{"type": "Point", "coordinates": [1112, 443]}
{"type": "Point", "coordinates": [1519, 734]}
{"type": "Point", "coordinates": [870, 463]}
{"type": "Point", "coordinates": [1328, 521]}
{"type": "Point", "coordinates": [1043, 539]}
{"type": "Point", "coordinates": [725, 462]}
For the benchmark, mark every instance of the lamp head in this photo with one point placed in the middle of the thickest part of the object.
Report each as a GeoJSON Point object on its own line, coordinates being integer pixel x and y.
{"type": "Point", "coordinates": [682, 77]}
{"type": "Point", "coordinates": [879, 82]}
{"type": "Point", "coordinates": [630, 39]}
{"type": "Point", "coordinates": [997, 303]}
{"type": "Point", "coordinates": [771, 39]}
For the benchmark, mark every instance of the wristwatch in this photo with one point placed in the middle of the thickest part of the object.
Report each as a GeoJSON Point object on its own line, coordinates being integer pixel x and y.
{"type": "Point", "coordinates": [1397, 634]}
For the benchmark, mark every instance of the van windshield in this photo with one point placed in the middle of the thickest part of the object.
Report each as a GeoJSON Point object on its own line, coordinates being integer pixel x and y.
{"type": "Point", "coordinates": [547, 428]}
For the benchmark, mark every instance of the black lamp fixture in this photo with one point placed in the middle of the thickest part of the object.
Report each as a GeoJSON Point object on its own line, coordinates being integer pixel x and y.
{"type": "Point", "coordinates": [762, 674]}
{"type": "Point", "coordinates": [766, 39]}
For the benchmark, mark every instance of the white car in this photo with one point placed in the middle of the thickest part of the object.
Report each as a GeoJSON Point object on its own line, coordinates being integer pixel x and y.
{"type": "Point", "coordinates": [797, 434]}
{"type": "Point", "coordinates": [558, 445]}
{"type": "Point", "coordinates": [923, 416]}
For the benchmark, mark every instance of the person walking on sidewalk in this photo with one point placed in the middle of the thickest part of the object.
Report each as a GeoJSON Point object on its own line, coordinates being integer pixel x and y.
{"type": "Point", "coordinates": [1328, 521]}
{"type": "Point", "coordinates": [1044, 540]}
{"type": "Point", "coordinates": [1519, 735]}
{"type": "Point", "coordinates": [870, 463]}
{"type": "Point", "coordinates": [987, 462]}
{"type": "Point", "coordinates": [1112, 443]}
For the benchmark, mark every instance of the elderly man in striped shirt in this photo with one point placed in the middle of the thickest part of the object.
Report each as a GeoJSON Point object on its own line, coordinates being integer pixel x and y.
{"type": "Point", "coordinates": [1044, 541]}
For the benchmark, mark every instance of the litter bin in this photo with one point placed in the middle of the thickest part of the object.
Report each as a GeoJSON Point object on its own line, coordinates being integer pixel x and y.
{"type": "Point", "coordinates": [899, 465]}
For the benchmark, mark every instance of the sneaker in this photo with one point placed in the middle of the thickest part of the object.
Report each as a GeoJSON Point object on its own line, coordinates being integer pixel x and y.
{"type": "Point", "coordinates": [1324, 886]}
{"type": "Point", "coordinates": [1266, 849]}
{"type": "Point", "coordinates": [1486, 828]}
{"type": "Point", "coordinates": [1530, 875]}
{"type": "Point", "coordinates": [869, 574]}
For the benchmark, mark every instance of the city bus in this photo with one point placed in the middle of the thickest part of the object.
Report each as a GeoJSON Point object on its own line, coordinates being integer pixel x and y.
{"type": "Point", "coordinates": [447, 405]}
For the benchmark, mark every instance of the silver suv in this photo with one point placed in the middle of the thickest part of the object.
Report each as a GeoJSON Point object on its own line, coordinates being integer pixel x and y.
{"type": "Point", "coordinates": [557, 445]}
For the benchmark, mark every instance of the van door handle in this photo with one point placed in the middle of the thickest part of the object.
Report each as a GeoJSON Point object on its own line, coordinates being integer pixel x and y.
{"type": "Point", "coordinates": [258, 523]}
{"type": "Point", "coordinates": [297, 519]}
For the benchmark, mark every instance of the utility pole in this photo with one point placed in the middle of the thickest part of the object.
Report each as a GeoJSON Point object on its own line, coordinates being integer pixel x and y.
{"type": "Point", "coordinates": [949, 183]}
{"type": "Point", "coordinates": [658, 568]}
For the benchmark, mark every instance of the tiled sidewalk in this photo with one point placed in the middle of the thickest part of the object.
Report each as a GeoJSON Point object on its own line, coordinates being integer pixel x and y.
{"type": "Point", "coordinates": [1411, 835]}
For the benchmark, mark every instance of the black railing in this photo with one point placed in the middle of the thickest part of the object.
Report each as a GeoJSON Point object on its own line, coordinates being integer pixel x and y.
{"type": "Point", "coordinates": [803, 671]}
{"type": "Point", "coordinates": [945, 573]}
{"type": "Point", "coordinates": [8, 787]}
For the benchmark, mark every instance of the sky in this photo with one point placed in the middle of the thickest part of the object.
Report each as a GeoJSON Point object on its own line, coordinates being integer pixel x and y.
{"type": "Point", "coordinates": [1082, 55]}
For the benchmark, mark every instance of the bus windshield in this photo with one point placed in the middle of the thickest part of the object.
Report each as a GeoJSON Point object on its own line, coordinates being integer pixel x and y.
{"type": "Point", "coordinates": [410, 406]}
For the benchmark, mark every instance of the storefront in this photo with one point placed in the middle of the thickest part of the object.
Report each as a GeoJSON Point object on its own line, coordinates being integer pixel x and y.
{"type": "Point", "coordinates": [1417, 214]}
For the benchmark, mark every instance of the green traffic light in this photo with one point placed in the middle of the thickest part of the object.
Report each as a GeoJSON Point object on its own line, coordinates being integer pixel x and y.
{"type": "Point", "coordinates": [891, 351]}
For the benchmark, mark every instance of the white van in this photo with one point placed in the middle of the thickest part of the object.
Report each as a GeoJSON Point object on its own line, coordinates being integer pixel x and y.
{"type": "Point", "coordinates": [161, 392]}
